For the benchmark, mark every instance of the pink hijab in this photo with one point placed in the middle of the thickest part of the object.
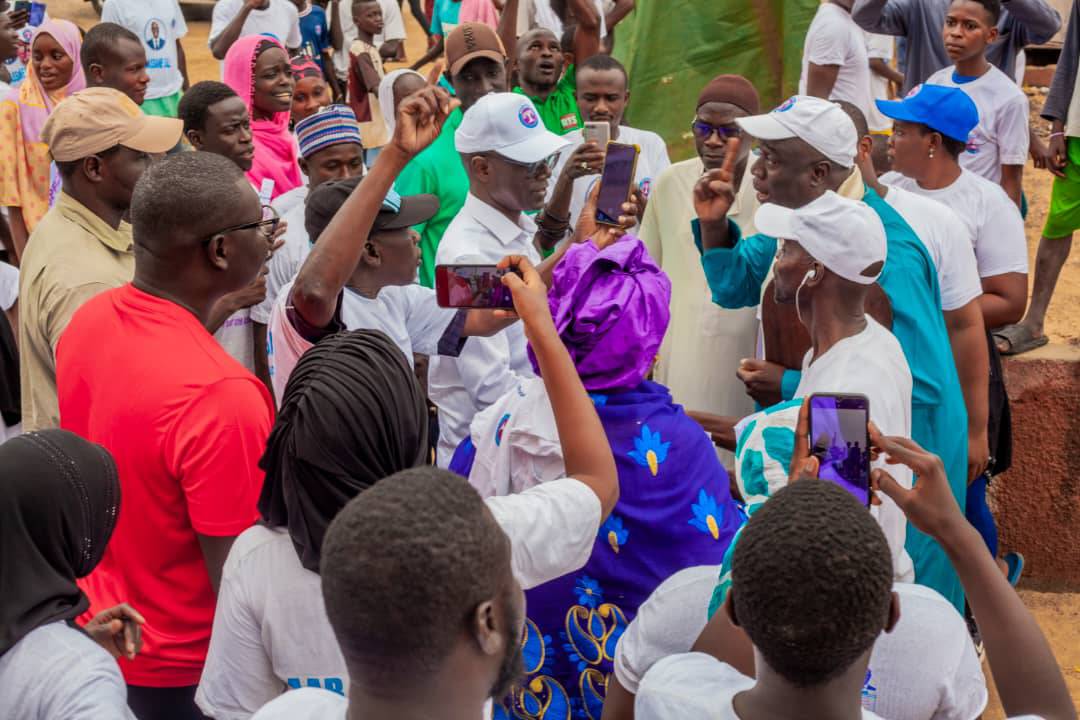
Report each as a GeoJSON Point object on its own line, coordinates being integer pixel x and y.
{"type": "Point", "coordinates": [276, 152]}
{"type": "Point", "coordinates": [35, 103]}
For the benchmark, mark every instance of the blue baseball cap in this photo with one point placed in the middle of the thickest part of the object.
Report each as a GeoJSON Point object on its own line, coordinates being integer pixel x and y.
{"type": "Point", "coordinates": [947, 110]}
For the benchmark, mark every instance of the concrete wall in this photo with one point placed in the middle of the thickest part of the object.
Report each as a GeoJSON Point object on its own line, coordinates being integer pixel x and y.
{"type": "Point", "coordinates": [1037, 502]}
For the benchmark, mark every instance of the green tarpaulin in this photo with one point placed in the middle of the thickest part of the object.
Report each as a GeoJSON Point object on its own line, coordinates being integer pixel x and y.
{"type": "Point", "coordinates": [673, 47]}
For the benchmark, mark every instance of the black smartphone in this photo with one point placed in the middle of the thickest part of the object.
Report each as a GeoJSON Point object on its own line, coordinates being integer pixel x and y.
{"type": "Point", "coordinates": [472, 286]}
{"type": "Point", "coordinates": [617, 180]}
{"type": "Point", "coordinates": [21, 6]}
{"type": "Point", "coordinates": [841, 441]}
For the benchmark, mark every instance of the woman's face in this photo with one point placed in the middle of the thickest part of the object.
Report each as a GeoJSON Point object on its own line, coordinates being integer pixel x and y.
{"type": "Point", "coordinates": [52, 65]}
{"type": "Point", "coordinates": [273, 91]}
{"type": "Point", "coordinates": [310, 94]}
{"type": "Point", "coordinates": [909, 149]}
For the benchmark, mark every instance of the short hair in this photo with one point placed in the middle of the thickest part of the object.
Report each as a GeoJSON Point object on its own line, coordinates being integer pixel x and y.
{"type": "Point", "coordinates": [811, 581]}
{"type": "Point", "coordinates": [603, 63]}
{"type": "Point", "coordinates": [197, 101]}
{"type": "Point", "coordinates": [862, 128]}
{"type": "Point", "coordinates": [168, 193]}
{"type": "Point", "coordinates": [404, 565]}
{"type": "Point", "coordinates": [100, 42]}
{"type": "Point", "coordinates": [357, 3]}
{"type": "Point", "coordinates": [992, 7]}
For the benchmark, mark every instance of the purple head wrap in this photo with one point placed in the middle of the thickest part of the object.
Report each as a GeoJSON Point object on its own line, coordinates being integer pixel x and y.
{"type": "Point", "coordinates": [611, 309]}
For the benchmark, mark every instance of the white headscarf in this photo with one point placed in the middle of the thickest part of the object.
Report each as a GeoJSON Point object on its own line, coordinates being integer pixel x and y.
{"type": "Point", "coordinates": [386, 96]}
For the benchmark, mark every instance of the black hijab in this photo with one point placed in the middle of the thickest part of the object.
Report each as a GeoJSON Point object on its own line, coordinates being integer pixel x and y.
{"type": "Point", "coordinates": [59, 502]}
{"type": "Point", "coordinates": [353, 414]}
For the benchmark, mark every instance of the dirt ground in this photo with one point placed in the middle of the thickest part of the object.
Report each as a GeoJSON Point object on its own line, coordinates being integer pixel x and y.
{"type": "Point", "coordinates": [1057, 613]}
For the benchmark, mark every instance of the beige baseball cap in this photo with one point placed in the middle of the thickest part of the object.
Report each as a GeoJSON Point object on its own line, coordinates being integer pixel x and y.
{"type": "Point", "coordinates": [99, 118]}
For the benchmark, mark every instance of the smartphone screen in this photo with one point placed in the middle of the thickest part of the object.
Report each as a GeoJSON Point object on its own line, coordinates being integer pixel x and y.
{"type": "Point", "coordinates": [37, 13]}
{"type": "Point", "coordinates": [22, 5]}
{"type": "Point", "coordinates": [840, 440]}
{"type": "Point", "coordinates": [616, 181]}
{"type": "Point", "coordinates": [472, 286]}
{"type": "Point", "coordinates": [597, 132]}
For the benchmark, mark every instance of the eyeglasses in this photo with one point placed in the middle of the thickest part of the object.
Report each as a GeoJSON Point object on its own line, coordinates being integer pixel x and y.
{"type": "Point", "coordinates": [268, 224]}
{"type": "Point", "coordinates": [533, 169]}
{"type": "Point", "coordinates": [704, 130]}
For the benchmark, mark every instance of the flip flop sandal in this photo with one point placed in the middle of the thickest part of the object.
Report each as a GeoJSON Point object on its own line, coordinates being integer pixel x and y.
{"type": "Point", "coordinates": [1015, 562]}
{"type": "Point", "coordinates": [1019, 339]}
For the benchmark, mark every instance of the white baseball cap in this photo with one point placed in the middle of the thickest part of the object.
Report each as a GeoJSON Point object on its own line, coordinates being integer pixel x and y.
{"type": "Point", "coordinates": [820, 123]}
{"type": "Point", "coordinates": [845, 236]}
{"type": "Point", "coordinates": [506, 123]}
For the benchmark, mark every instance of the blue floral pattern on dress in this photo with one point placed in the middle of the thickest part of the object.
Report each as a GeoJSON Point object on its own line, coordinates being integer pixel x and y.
{"type": "Point", "coordinates": [614, 532]}
{"type": "Point", "coordinates": [649, 451]}
{"type": "Point", "coordinates": [708, 515]}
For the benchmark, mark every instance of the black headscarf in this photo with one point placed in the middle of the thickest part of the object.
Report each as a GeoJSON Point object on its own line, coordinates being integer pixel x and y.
{"type": "Point", "coordinates": [353, 414]}
{"type": "Point", "coordinates": [59, 502]}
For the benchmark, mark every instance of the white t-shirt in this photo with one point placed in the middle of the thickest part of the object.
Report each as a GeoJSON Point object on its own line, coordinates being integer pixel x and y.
{"type": "Point", "coordinates": [312, 704]}
{"type": "Point", "coordinates": [878, 47]}
{"type": "Point", "coordinates": [393, 29]}
{"type": "Point", "coordinates": [235, 337]}
{"type": "Point", "coordinates": [271, 632]}
{"type": "Point", "coordinates": [9, 286]}
{"type": "Point", "coordinates": [159, 24]}
{"type": "Point", "coordinates": [693, 685]}
{"type": "Point", "coordinates": [947, 240]}
{"type": "Point", "coordinates": [1001, 137]}
{"type": "Point", "coordinates": [833, 38]}
{"type": "Point", "coordinates": [409, 314]}
{"type": "Point", "coordinates": [652, 161]}
{"type": "Point", "coordinates": [926, 667]}
{"type": "Point", "coordinates": [991, 217]}
{"type": "Point", "coordinates": [288, 259]}
{"type": "Point", "coordinates": [57, 671]}
{"type": "Point", "coordinates": [281, 19]}
{"type": "Point", "coordinates": [871, 363]}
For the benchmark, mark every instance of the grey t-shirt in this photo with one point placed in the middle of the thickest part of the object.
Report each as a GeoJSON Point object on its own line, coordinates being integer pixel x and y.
{"type": "Point", "coordinates": [920, 22]}
{"type": "Point", "coordinates": [58, 672]}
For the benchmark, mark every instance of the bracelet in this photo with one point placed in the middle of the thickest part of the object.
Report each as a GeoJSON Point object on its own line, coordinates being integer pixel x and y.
{"type": "Point", "coordinates": [1057, 134]}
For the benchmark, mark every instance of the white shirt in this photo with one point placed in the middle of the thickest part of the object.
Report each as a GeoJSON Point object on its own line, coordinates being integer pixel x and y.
{"type": "Point", "coordinates": [280, 19]}
{"type": "Point", "coordinates": [9, 285]}
{"type": "Point", "coordinates": [312, 704]}
{"type": "Point", "coordinates": [652, 161]}
{"type": "Point", "coordinates": [948, 241]}
{"type": "Point", "coordinates": [991, 217]}
{"type": "Point", "coordinates": [878, 47]}
{"type": "Point", "coordinates": [393, 29]}
{"type": "Point", "coordinates": [871, 363]}
{"type": "Point", "coordinates": [143, 17]}
{"type": "Point", "coordinates": [235, 337]}
{"type": "Point", "coordinates": [833, 38]}
{"type": "Point", "coordinates": [694, 685]}
{"type": "Point", "coordinates": [1001, 137]}
{"type": "Point", "coordinates": [487, 367]}
{"type": "Point", "coordinates": [288, 259]}
{"type": "Point", "coordinates": [57, 671]}
{"type": "Point", "coordinates": [926, 667]}
{"type": "Point", "coordinates": [270, 626]}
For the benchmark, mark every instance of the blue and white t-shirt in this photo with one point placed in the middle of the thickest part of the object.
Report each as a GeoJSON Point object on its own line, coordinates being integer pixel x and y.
{"type": "Point", "coordinates": [159, 24]}
{"type": "Point", "coordinates": [315, 33]}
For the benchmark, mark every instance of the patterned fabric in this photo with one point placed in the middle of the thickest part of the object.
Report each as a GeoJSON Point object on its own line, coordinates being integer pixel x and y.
{"type": "Point", "coordinates": [333, 125]}
{"type": "Point", "coordinates": [675, 510]}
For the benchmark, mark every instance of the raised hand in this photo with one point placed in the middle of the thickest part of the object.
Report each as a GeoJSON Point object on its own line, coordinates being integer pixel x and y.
{"type": "Point", "coordinates": [587, 159]}
{"type": "Point", "coordinates": [118, 630]}
{"type": "Point", "coordinates": [529, 291]}
{"type": "Point", "coordinates": [714, 193]}
{"type": "Point", "coordinates": [762, 380]}
{"type": "Point", "coordinates": [421, 116]}
{"type": "Point", "coordinates": [603, 235]}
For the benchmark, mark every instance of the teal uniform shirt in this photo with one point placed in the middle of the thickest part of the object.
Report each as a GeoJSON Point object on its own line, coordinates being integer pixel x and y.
{"type": "Point", "coordinates": [437, 170]}
{"type": "Point", "coordinates": [938, 415]}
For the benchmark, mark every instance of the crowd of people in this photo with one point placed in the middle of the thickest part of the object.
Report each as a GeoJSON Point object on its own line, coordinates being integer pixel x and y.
{"type": "Point", "coordinates": [255, 469]}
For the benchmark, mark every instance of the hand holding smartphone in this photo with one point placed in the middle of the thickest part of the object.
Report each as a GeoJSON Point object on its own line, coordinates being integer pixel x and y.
{"type": "Point", "coordinates": [597, 132]}
{"type": "Point", "coordinates": [473, 286]}
{"type": "Point", "coordinates": [616, 182]}
{"type": "Point", "coordinates": [840, 440]}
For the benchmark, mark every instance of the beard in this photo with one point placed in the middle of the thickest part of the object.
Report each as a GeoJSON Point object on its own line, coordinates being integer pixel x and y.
{"type": "Point", "coordinates": [512, 667]}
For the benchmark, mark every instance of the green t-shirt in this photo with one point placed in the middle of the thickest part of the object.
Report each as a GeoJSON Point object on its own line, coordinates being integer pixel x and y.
{"type": "Point", "coordinates": [438, 170]}
{"type": "Point", "coordinates": [560, 111]}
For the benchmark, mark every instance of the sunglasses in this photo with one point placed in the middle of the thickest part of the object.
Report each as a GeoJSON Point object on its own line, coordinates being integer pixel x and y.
{"type": "Point", "coordinates": [704, 130]}
{"type": "Point", "coordinates": [533, 169]}
{"type": "Point", "coordinates": [267, 224]}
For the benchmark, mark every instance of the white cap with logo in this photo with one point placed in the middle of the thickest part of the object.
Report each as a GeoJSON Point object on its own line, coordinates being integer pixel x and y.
{"type": "Point", "coordinates": [845, 236]}
{"type": "Point", "coordinates": [820, 123]}
{"type": "Point", "coordinates": [506, 123]}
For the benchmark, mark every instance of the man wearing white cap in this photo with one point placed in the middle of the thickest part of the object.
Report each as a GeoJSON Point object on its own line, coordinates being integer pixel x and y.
{"type": "Point", "coordinates": [808, 147]}
{"type": "Point", "coordinates": [830, 252]}
{"type": "Point", "coordinates": [508, 155]}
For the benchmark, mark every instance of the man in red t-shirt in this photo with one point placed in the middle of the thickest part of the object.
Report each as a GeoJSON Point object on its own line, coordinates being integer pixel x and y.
{"type": "Point", "coordinates": [138, 373]}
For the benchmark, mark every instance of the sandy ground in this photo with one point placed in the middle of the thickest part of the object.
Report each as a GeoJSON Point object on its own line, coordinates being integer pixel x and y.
{"type": "Point", "coordinates": [1057, 613]}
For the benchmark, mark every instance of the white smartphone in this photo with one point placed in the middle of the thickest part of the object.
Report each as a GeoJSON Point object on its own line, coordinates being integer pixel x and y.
{"type": "Point", "coordinates": [597, 132]}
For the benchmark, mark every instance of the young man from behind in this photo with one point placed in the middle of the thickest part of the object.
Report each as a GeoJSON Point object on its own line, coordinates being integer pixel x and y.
{"type": "Point", "coordinates": [835, 64]}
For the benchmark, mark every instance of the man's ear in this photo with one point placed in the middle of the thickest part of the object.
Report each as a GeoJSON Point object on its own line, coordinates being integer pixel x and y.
{"type": "Point", "coordinates": [486, 631]}
{"type": "Point", "coordinates": [91, 167]}
{"type": "Point", "coordinates": [371, 255]}
{"type": "Point", "coordinates": [195, 138]}
{"type": "Point", "coordinates": [894, 612]}
{"type": "Point", "coordinates": [303, 166]}
{"type": "Point", "coordinates": [866, 146]}
{"type": "Point", "coordinates": [95, 73]}
{"type": "Point", "coordinates": [992, 35]}
{"type": "Point", "coordinates": [480, 167]}
{"type": "Point", "coordinates": [217, 253]}
{"type": "Point", "coordinates": [729, 607]}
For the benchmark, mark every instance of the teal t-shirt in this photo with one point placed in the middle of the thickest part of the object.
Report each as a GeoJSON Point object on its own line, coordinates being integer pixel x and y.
{"type": "Point", "coordinates": [438, 170]}
{"type": "Point", "coordinates": [445, 16]}
{"type": "Point", "coordinates": [560, 110]}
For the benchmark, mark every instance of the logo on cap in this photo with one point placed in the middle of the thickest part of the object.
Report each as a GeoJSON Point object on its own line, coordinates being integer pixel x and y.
{"type": "Point", "coordinates": [528, 117]}
{"type": "Point", "coordinates": [913, 91]}
{"type": "Point", "coordinates": [786, 105]}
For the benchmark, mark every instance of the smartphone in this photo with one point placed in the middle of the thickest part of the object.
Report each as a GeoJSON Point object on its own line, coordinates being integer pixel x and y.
{"type": "Point", "coordinates": [22, 6]}
{"type": "Point", "coordinates": [841, 441]}
{"type": "Point", "coordinates": [597, 132]}
{"type": "Point", "coordinates": [617, 180]}
{"type": "Point", "coordinates": [37, 13]}
{"type": "Point", "coordinates": [472, 286]}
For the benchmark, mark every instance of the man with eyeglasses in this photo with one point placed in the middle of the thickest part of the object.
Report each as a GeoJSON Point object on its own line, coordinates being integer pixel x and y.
{"type": "Point", "coordinates": [705, 342]}
{"type": "Point", "coordinates": [139, 373]}
{"type": "Point", "coordinates": [508, 155]}
{"type": "Point", "coordinates": [100, 142]}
